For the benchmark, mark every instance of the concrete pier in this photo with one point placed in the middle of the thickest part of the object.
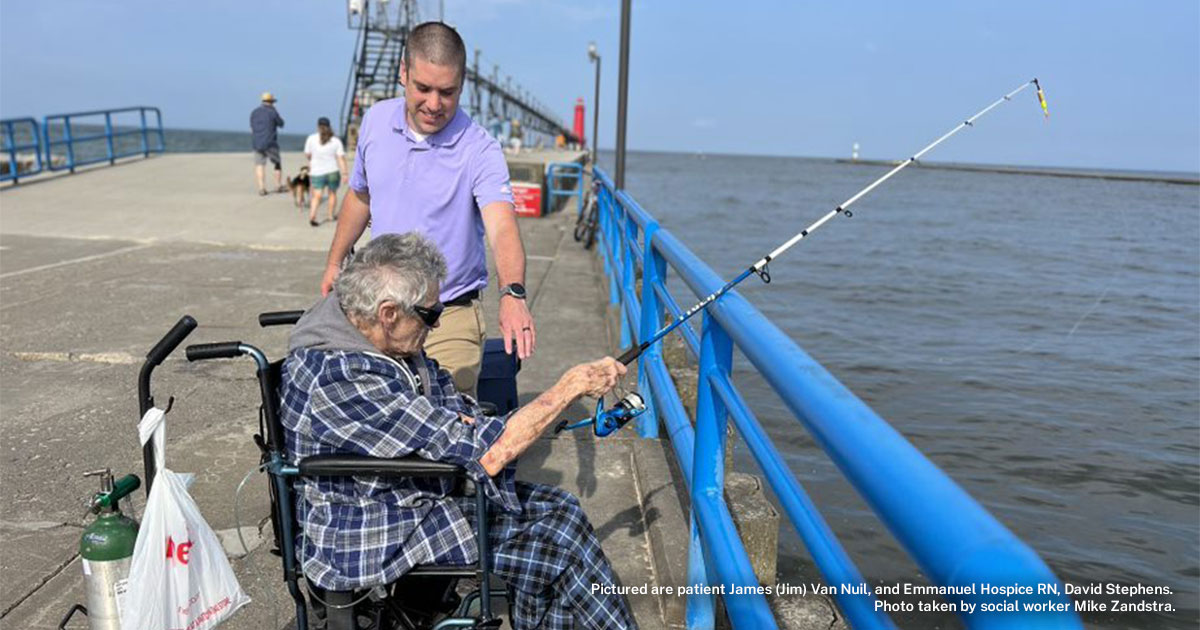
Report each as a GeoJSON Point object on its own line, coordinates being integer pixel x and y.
{"type": "Point", "coordinates": [95, 267]}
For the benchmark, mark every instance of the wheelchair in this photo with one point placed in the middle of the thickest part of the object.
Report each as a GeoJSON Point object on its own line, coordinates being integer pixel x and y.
{"type": "Point", "coordinates": [424, 598]}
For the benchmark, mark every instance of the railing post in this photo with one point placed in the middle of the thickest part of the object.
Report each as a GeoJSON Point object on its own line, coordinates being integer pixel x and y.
{"type": "Point", "coordinates": [162, 142]}
{"type": "Point", "coordinates": [701, 608]}
{"type": "Point", "coordinates": [579, 185]}
{"type": "Point", "coordinates": [708, 456]}
{"type": "Point", "coordinates": [10, 147]}
{"type": "Point", "coordinates": [69, 142]}
{"type": "Point", "coordinates": [612, 244]}
{"type": "Point", "coordinates": [716, 361]}
{"type": "Point", "coordinates": [628, 275]}
{"type": "Point", "coordinates": [37, 144]}
{"type": "Point", "coordinates": [607, 220]}
{"type": "Point", "coordinates": [145, 139]}
{"type": "Point", "coordinates": [603, 210]}
{"type": "Point", "coordinates": [46, 143]}
{"type": "Point", "coordinates": [108, 137]}
{"type": "Point", "coordinates": [653, 275]}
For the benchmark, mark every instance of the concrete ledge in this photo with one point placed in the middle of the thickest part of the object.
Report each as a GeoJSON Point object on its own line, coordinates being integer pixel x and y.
{"type": "Point", "coordinates": [667, 524]}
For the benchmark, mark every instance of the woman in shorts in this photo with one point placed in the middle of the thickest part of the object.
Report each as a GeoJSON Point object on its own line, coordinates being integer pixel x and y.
{"type": "Point", "coordinates": [326, 167]}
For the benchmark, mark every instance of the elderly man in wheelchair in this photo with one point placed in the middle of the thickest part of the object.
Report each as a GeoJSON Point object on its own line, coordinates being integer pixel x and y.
{"type": "Point", "coordinates": [357, 382]}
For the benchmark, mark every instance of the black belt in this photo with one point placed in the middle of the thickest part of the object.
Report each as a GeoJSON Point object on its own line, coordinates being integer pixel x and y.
{"type": "Point", "coordinates": [464, 299]}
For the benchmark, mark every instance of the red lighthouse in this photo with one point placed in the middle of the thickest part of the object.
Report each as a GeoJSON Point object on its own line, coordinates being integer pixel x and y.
{"type": "Point", "coordinates": [579, 122]}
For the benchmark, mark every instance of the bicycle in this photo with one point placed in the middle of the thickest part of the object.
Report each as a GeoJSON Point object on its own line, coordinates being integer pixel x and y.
{"type": "Point", "coordinates": [588, 221]}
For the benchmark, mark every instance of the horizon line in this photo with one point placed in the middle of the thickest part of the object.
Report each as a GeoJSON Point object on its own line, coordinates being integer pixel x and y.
{"type": "Point", "coordinates": [862, 160]}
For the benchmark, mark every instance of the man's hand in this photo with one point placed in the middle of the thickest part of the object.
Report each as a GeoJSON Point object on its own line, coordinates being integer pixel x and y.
{"type": "Point", "coordinates": [352, 222]}
{"type": "Point", "coordinates": [516, 326]}
{"type": "Point", "coordinates": [331, 274]}
{"type": "Point", "coordinates": [597, 378]}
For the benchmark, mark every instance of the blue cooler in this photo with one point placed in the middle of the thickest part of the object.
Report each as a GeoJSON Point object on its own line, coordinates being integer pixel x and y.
{"type": "Point", "coordinates": [498, 376]}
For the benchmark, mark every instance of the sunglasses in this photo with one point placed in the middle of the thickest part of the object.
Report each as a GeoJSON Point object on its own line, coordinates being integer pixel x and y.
{"type": "Point", "coordinates": [429, 314]}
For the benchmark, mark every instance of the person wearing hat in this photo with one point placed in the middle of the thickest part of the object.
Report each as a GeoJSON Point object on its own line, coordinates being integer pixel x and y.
{"type": "Point", "coordinates": [326, 167]}
{"type": "Point", "coordinates": [264, 120]}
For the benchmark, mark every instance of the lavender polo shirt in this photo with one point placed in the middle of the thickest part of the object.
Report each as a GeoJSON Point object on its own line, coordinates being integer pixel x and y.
{"type": "Point", "coordinates": [435, 186]}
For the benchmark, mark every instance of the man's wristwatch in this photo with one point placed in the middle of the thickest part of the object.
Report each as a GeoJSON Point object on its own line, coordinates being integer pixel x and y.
{"type": "Point", "coordinates": [515, 289]}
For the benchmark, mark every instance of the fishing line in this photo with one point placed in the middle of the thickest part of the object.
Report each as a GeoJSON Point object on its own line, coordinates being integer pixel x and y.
{"type": "Point", "coordinates": [761, 267]}
{"type": "Point", "coordinates": [1117, 269]}
{"type": "Point", "coordinates": [604, 422]}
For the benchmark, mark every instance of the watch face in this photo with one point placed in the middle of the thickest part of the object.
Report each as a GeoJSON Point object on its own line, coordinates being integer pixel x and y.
{"type": "Point", "coordinates": [516, 290]}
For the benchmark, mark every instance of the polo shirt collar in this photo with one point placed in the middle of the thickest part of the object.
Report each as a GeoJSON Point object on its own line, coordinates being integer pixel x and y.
{"type": "Point", "coordinates": [447, 137]}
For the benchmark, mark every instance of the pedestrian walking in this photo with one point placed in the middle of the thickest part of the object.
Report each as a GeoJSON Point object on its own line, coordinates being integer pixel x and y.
{"type": "Point", "coordinates": [326, 167]}
{"type": "Point", "coordinates": [264, 121]}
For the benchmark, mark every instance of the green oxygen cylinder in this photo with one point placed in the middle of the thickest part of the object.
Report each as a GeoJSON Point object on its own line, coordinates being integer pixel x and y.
{"type": "Point", "coordinates": [106, 548]}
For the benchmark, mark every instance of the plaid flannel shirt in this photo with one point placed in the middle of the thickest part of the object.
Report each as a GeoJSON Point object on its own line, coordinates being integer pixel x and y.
{"type": "Point", "coordinates": [360, 532]}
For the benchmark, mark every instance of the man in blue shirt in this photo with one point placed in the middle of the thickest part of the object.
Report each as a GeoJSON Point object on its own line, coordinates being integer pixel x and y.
{"type": "Point", "coordinates": [264, 120]}
{"type": "Point", "coordinates": [356, 380]}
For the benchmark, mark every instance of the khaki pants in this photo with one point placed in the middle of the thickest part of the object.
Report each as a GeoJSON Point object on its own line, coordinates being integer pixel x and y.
{"type": "Point", "coordinates": [457, 344]}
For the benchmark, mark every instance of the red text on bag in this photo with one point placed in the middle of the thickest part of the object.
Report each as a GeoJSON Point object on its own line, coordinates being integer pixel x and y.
{"type": "Point", "coordinates": [178, 552]}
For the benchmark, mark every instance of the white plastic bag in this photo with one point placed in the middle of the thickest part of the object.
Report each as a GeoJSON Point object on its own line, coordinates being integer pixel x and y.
{"type": "Point", "coordinates": [180, 578]}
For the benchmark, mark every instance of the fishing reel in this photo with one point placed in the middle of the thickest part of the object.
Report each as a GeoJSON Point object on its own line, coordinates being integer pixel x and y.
{"type": "Point", "coordinates": [608, 421]}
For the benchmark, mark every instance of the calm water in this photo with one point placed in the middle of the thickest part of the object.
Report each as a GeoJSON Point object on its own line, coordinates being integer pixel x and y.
{"type": "Point", "coordinates": [1037, 337]}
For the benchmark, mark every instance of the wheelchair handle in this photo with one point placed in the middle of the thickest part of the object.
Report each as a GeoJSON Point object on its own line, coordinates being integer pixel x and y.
{"type": "Point", "coordinates": [279, 318]}
{"type": "Point", "coordinates": [219, 350]}
{"type": "Point", "coordinates": [171, 340]}
{"type": "Point", "coordinates": [154, 358]}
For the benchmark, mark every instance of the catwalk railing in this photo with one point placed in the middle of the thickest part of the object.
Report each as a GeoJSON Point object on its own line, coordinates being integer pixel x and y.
{"type": "Point", "coordinates": [951, 537]}
{"type": "Point", "coordinates": [80, 134]}
{"type": "Point", "coordinates": [63, 142]}
{"type": "Point", "coordinates": [22, 148]}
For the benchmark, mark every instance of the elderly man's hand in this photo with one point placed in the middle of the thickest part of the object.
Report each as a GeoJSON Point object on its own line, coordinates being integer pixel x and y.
{"type": "Point", "coordinates": [597, 378]}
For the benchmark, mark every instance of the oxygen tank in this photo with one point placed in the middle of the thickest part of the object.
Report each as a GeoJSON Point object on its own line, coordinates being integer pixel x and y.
{"type": "Point", "coordinates": [107, 551]}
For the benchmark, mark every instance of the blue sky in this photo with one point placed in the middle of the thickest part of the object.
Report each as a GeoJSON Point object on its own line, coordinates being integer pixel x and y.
{"type": "Point", "coordinates": [774, 78]}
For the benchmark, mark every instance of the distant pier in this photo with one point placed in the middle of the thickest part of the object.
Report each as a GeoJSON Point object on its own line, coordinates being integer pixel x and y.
{"type": "Point", "coordinates": [1047, 172]}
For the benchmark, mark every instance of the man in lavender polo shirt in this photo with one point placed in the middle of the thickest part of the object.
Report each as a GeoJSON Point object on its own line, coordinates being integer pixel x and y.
{"type": "Point", "coordinates": [422, 165]}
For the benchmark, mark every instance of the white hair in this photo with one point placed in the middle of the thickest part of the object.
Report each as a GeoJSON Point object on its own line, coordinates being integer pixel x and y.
{"type": "Point", "coordinates": [392, 268]}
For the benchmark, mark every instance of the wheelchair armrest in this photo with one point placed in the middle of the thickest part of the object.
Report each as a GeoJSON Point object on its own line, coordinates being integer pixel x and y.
{"type": "Point", "coordinates": [349, 465]}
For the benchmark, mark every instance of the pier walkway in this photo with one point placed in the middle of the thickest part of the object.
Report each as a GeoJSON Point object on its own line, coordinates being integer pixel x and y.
{"type": "Point", "coordinates": [96, 266]}
{"type": "Point", "coordinates": [93, 270]}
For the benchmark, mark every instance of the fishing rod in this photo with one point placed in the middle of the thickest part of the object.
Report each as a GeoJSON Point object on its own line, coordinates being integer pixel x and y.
{"type": "Point", "coordinates": [611, 420]}
{"type": "Point", "coordinates": [760, 268]}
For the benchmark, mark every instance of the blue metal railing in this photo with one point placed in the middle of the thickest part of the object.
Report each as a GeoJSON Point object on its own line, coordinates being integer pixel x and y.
{"type": "Point", "coordinates": [12, 146]}
{"type": "Point", "coordinates": [954, 540]}
{"type": "Point", "coordinates": [81, 149]}
{"type": "Point", "coordinates": [564, 179]}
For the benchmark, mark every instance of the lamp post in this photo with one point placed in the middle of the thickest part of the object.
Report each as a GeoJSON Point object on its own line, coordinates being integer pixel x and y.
{"type": "Point", "coordinates": [622, 95]}
{"type": "Point", "coordinates": [595, 56]}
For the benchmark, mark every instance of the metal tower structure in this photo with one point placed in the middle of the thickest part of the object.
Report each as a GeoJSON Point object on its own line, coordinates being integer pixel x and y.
{"type": "Point", "coordinates": [504, 109]}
